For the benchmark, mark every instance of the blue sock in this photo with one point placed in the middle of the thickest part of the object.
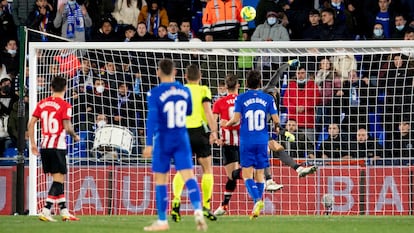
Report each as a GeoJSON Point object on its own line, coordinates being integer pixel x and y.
{"type": "Point", "coordinates": [260, 189]}
{"type": "Point", "coordinates": [161, 201]}
{"type": "Point", "coordinates": [252, 189]}
{"type": "Point", "coordinates": [194, 193]}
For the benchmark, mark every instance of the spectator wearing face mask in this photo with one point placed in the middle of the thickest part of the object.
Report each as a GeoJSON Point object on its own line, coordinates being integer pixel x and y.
{"type": "Point", "coordinates": [89, 103]}
{"type": "Point", "coordinates": [384, 16]}
{"type": "Point", "coordinates": [174, 32]}
{"type": "Point", "coordinates": [7, 96]}
{"type": "Point", "coordinates": [101, 121]}
{"type": "Point", "coordinates": [301, 98]}
{"type": "Point", "coordinates": [7, 99]}
{"type": "Point", "coordinates": [378, 32]}
{"type": "Point", "coordinates": [401, 26]}
{"type": "Point", "coordinates": [98, 98]}
{"type": "Point", "coordinates": [270, 30]}
{"type": "Point", "coordinates": [10, 58]}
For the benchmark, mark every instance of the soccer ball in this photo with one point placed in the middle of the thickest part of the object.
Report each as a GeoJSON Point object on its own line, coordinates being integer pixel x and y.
{"type": "Point", "coordinates": [328, 200]}
{"type": "Point", "coordinates": [248, 13]}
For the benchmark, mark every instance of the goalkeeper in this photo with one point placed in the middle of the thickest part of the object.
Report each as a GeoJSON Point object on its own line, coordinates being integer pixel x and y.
{"type": "Point", "coordinates": [274, 145]}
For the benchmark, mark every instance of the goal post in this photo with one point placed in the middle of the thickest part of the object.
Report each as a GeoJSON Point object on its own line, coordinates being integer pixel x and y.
{"type": "Point", "coordinates": [108, 176]}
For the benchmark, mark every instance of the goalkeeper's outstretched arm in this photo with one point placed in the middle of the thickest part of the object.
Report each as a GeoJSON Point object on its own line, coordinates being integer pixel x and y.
{"type": "Point", "coordinates": [270, 89]}
{"type": "Point", "coordinates": [274, 80]}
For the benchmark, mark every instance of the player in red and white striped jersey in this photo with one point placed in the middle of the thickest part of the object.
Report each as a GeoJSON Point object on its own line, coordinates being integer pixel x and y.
{"type": "Point", "coordinates": [223, 108]}
{"type": "Point", "coordinates": [54, 114]}
{"type": "Point", "coordinates": [52, 111]}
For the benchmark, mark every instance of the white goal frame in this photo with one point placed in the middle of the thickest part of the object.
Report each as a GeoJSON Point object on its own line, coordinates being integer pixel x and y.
{"type": "Point", "coordinates": [290, 48]}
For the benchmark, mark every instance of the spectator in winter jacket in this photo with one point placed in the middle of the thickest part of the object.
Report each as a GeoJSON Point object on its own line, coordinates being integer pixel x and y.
{"type": "Point", "coordinates": [301, 98]}
{"type": "Point", "coordinates": [270, 30]}
{"type": "Point", "coordinates": [154, 16]}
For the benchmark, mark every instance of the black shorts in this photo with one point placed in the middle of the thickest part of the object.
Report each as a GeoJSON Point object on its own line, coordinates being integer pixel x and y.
{"type": "Point", "coordinates": [200, 144]}
{"type": "Point", "coordinates": [231, 154]}
{"type": "Point", "coordinates": [54, 161]}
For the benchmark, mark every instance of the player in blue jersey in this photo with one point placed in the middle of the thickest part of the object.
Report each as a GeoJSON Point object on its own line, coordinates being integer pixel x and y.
{"type": "Point", "coordinates": [168, 106]}
{"type": "Point", "coordinates": [251, 110]}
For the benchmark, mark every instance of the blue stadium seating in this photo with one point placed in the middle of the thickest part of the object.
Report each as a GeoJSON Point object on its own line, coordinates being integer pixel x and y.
{"type": "Point", "coordinates": [10, 153]}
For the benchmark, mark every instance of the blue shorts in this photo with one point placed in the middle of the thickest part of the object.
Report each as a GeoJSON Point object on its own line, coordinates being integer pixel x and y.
{"type": "Point", "coordinates": [171, 148]}
{"type": "Point", "coordinates": [254, 155]}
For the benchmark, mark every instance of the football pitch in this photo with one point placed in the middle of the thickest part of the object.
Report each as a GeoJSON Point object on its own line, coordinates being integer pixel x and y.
{"type": "Point", "coordinates": [225, 224]}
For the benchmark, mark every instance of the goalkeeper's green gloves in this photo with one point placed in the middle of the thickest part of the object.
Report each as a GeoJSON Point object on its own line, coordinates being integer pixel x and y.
{"type": "Point", "coordinates": [289, 136]}
{"type": "Point", "coordinates": [294, 63]}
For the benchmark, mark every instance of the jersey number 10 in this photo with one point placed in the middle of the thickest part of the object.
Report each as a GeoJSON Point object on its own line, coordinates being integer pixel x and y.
{"type": "Point", "coordinates": [256, 120]}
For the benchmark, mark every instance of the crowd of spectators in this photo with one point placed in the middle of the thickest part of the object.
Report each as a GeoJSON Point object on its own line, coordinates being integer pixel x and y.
{"type": "Point", "coordinates": [335, 105]}
{"type": "Point", "coordinates": [108, 20]}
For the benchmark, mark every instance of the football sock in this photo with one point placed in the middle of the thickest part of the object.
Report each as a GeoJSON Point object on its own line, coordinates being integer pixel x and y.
{"type": "Point", "coordinates": [161, 201]}
{"type": "Point", "coordinates": [49, 203]}
{"type": "Point", "coordinates": [260, 189]}
{"type": "Point", "coordinates": [207, 182]}
{"type": "Point", "coordinates": [230, 187]}
{"type": "Point", "coordinates": [194, 193]}
{"type": "Point", "coordinates": [55, 190]}
{"type": "Point", "coordinates": [178, 185]}
{"type": "Point", "coordinates": [227, 197]}
{"type": "Point", "coordinates": [237, 174]}
{"type": "Point", "coordinates": [252, 189]}
{"type": "Point", "coordinates": [286, 159]}
{"type": "Point", "coordinates": [267, 174]}
{"type": "Point", "coordinates": [61, 200]}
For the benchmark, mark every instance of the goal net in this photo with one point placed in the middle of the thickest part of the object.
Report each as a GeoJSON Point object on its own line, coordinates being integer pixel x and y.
{"type": "Point", "coordinates": [350, 101]}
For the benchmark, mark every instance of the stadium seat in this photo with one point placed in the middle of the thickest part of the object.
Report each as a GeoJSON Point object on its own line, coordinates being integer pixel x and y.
{"type": "Point", "coordinates": [376, 128]}
{"type": "Point", "coordinates": [321, 137]}
{"type": "Point", "coordinates": [381, 98]}
{"type": "Point", "coordinates": [9, 153]}
{"type": "Point", "coordinates": [80, 149]}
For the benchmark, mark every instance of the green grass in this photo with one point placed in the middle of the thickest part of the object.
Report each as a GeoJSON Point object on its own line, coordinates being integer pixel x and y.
{"type": "Point", "coordinates": [226, 224]}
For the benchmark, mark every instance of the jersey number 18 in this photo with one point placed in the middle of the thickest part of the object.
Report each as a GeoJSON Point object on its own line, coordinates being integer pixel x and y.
{"type": "Point", "coordinates": [176, 113]}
